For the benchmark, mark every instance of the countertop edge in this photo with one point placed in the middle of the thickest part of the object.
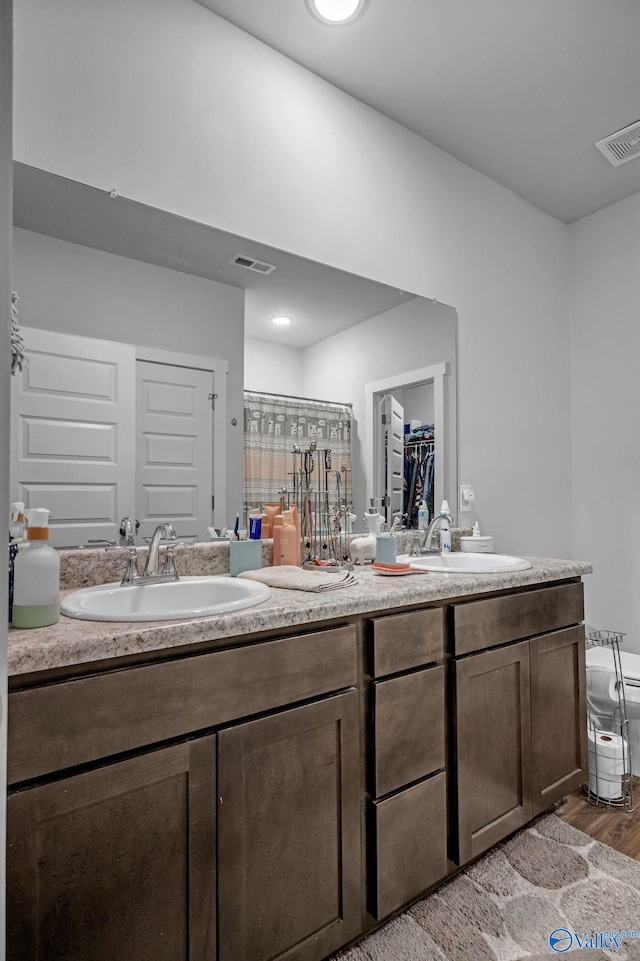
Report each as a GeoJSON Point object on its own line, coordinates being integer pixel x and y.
{"type": "Point", "coordinates": [72, 642]}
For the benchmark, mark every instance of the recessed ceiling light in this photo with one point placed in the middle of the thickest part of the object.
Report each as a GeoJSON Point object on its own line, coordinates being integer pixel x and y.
{"type": "Point", "coordinates": [336, 11]}
{"type": "Point", "coordinates": [281, 321]}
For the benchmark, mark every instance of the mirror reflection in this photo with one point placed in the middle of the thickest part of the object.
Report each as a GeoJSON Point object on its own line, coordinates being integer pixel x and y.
{"type": "Point", "coordinates": [175, 310]}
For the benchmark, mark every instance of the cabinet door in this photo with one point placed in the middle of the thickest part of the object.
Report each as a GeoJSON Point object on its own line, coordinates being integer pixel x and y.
{"type": "Point", "coordinates": [289, 849]}
{"type": "Point", "coordinates": [493, 745]}
{"type": "Point", "coordinates": [558, 715]}
{"type": "Point", "coordinates": [117, 862]}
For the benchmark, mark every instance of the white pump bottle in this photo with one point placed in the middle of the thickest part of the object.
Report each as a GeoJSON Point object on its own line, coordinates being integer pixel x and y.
{"type": "Point", "coordinates": [444, 529]}
{"type": "Point", "coordinates": [36, 571]}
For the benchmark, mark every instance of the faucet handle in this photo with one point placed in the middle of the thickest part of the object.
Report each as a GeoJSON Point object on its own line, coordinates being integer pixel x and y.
{"type": "Point", "coordinates": [169, 567]}
{"type": "Point", "coordinates": [131, 572]}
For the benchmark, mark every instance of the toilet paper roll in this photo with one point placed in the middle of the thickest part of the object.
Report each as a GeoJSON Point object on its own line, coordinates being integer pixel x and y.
{"type": "Point", "coordinates": [602, 694]}
{"type": "Point", "coordinates": [607, 744]}
{"type": "Point", "coordinates": [607, 753]}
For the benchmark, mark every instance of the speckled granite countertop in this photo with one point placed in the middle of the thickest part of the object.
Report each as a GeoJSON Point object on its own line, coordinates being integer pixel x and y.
{"type": "Point", "coordinates": [72, 642]}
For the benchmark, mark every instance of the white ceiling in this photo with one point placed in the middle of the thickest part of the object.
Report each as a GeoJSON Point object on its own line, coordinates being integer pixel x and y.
{"type": "Point", "coordinates": [321, 299]}
{"type": "Point", "coordinates": [518, 89]}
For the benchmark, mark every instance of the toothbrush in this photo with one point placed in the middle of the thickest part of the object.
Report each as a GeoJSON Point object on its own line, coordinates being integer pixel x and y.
{"type": "Point", "coordinates": [236, 526]}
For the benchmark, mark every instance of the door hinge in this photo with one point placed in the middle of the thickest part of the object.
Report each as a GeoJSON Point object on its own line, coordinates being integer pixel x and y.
{"type": "Point", "coordinates": [212, 398]}
{"type": "Point", "coordinates": [386, 502]}
{"type": "Point", "coordinates": [212, 501]}
{"type": "Point", "coordinates": [384, 419]}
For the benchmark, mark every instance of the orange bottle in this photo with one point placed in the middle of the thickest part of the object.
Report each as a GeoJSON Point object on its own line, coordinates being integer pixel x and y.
{"type": "Point", "coordinates": [289, 541]}
{"type": "Point", "coordinates": [271, 510]}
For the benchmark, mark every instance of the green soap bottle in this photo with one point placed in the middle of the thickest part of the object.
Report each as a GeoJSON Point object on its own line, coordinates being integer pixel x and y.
{"type": "Point", "coordinates": [36, 577]}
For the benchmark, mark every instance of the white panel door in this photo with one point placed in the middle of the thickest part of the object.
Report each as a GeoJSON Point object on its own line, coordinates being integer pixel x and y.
{"type": "Point", "coordinates": [393, 426]}
{"type": "Point", "coordinates": [72, 423]}
{"type": "Point", "coordinates": [174, 449]}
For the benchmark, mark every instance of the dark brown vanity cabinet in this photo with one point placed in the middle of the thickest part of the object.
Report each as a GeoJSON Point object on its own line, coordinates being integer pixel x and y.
{"type": "Point", "coordinates": [273, 799]}
{"type": "Point", "coordinates": [242, 842]}
{"type": "Point", "coordinates": [558, 716]}
{"type": "Point", "coordinates": [407, 780]}
{"type": "Point", "coordinates": [493, 747]}
{"type": "Point", "coordinates": [289, 865]}
{"type": "Point", "coordinates": [520, 718]}
{"type": "Point", "coordinates": [116, 862]}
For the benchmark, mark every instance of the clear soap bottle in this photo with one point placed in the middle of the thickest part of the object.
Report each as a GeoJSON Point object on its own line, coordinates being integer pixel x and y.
{"type": "Point", "coordinates": [36, 577]}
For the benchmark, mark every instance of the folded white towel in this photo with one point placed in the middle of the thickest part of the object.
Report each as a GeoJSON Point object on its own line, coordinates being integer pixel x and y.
{"type": "Point", "coordinates": [293, 578]}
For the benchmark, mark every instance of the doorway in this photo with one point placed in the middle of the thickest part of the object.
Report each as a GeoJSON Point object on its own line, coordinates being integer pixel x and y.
{"type": "Point", "coordinates": [386, 447]}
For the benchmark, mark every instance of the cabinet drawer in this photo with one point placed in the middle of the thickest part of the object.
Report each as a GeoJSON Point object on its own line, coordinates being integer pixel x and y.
{"type": "Point", "coordinates": [409, 838]}
{"type": "Point", "coordinates": [408, 729]}
{"type": "Point", "coordinates": [403, 641]}
{"type": "Point", "coordinates": [498, 620]}
{"type": "Point", "coordinates": [61, 725]}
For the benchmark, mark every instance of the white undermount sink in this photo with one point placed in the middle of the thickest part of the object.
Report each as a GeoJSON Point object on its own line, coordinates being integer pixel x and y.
{"type": "Point", "coordinates": [175, 600]}
{"type": "Point", "coordinates": [459, 562]}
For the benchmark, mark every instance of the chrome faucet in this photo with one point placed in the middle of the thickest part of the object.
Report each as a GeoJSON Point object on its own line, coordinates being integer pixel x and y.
{"type": "Point", "coordinates": [128, 530]}
{"type": "Point", "coordinates": [152, 573]}
{"type": "Point", "coordinates": [432, 530]}
{"type": "Point", "coordinates": [153, 558]}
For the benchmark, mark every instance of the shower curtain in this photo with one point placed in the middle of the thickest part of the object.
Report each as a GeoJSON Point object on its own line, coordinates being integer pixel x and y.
{"type": "Point", "coordinates": [285, 445]}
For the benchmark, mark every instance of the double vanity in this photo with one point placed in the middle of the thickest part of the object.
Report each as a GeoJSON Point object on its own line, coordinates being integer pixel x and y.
{"type": "Point", "coordinates": [274, 782]}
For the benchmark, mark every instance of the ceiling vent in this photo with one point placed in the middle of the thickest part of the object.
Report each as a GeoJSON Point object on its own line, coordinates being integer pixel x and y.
{"type": "Point", "coordinates": [621, 146]}
{"type": "Point", "coordinates": [250, 264]}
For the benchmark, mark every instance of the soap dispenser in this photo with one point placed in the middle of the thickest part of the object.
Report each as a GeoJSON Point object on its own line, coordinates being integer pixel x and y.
{"type": "Point", "coordinates": [36, 570]}
{"type": "Point", "coordinates": [363, 549]}
{"type": "Point", "coordinates": [445, 529]}
{"type": "Point", "coordinates": [373, 518]}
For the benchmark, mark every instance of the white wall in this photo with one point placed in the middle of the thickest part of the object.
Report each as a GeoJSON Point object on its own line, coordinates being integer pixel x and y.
{"type": "Point", "coordinates": [78, 290]}
{"type": "Point", "coordinates": [605, 373]}
{"type": "Point", "coordinates": [273, 368]}
{"type": "Point", "coordinates": [159, 98]}
{"type": "Point", "coordinates": [415, 334]}
{"type": "Point", "coordinates": [418, 403]}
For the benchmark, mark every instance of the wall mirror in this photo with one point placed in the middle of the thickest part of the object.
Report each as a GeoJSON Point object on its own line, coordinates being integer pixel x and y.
{"type": "Point", "coordinates": [90, 264]}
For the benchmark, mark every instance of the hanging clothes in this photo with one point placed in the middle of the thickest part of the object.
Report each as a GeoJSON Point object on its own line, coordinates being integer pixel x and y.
{"type": "Point", "coordinates": [419, 473]}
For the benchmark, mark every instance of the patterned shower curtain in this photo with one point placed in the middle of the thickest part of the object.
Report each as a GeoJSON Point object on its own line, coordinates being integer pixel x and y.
{"type": "Point", "coordinates": [286, 440]}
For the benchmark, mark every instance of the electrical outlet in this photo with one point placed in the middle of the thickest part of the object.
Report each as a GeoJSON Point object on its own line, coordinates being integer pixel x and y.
{"type": "Point", "coordinates": [466, 498]}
